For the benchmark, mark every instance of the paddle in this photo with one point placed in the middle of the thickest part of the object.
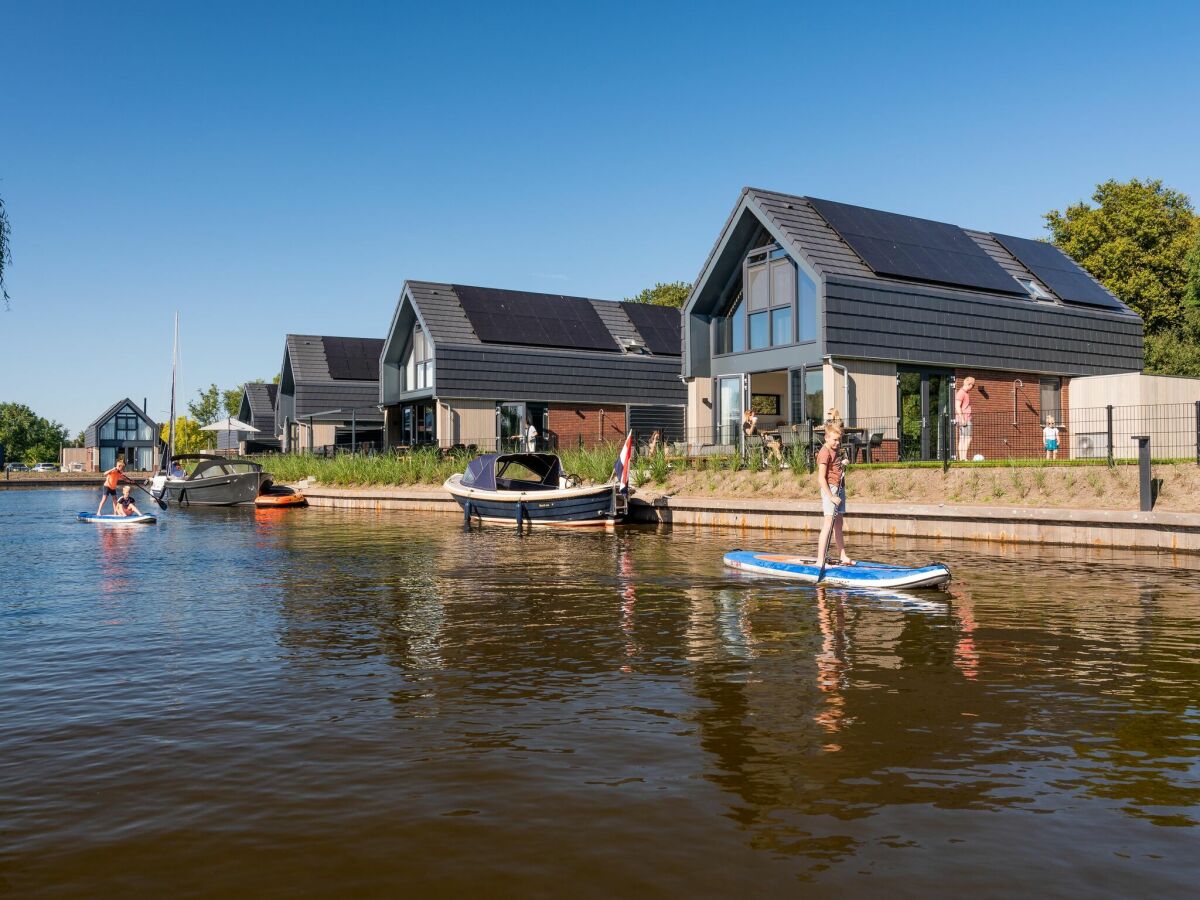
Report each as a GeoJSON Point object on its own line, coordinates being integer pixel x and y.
{"type": "Point", "coordinates": [162, 504]}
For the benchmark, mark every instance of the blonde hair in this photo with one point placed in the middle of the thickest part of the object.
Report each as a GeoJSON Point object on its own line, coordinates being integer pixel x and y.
{"type": "Point", "coordinates": [833, 430]}
{"type": "Point", "coordinates": [968, 381]}
{"type": "Point", "coordinates": [1049, 420]}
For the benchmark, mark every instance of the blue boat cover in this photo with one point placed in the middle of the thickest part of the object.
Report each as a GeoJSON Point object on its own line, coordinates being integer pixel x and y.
{"type": "Point", "coordinates": [483, 471]}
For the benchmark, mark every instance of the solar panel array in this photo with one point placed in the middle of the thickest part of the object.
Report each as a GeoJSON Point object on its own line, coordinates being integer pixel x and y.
{"type": "Point", "coordinates": [1058, 272]}
{"type": "Point", "coordinates": [538, 320]}
{"type": "Point", "coordinates": [353, 359]}
{"type": "Point", "coordinates": [658, 327]}
{"type": "Point", "coordinates": [917, 249]}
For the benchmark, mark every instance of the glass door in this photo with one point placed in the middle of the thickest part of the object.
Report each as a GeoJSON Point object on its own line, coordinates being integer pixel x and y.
{"type": "Point", "coordinates": [511, 426]}
{"type": "Point", "coordinates": [924, 396]}
{"type": "Point", "coordinates": [729, 409]}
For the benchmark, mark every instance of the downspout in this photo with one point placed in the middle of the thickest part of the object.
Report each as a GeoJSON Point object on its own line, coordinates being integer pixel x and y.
{"type": "Point", "coordinates": [845, 385]}
{"type": "Point", "coordinates": [1017, 385]}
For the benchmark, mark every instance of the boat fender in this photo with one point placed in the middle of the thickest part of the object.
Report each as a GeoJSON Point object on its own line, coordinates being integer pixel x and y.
{"type": "Point", "coordinates": [467, 509]}
{"type": "Point", "coordinates": [520, 516]}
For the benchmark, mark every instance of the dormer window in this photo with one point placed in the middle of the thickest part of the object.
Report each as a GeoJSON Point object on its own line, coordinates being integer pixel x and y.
{"type": "Point", "coordinates": [1035, 290]}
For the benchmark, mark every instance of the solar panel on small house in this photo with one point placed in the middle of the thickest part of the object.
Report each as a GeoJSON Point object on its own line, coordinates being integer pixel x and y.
{"type": "Point", "coordinates": [658, 327]}
{"type": "Point", "coordinates": [352, 359]}
{"type": "Point", "coordinates": [539, 320]}
{"type": "Point", "coordinates": [917, 249]}
{"type": "Point", "coordinates": [1058, 272]}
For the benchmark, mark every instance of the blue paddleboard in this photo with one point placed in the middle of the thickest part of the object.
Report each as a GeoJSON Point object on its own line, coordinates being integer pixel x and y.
{"type": "Point", "coordinates": [859, 575]}
{"type": "Point", "coordinates": [144, 519]}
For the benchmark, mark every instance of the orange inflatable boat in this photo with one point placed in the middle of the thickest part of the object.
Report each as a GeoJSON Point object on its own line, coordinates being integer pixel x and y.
{"type": "Point", "coordinates": [277, 496]}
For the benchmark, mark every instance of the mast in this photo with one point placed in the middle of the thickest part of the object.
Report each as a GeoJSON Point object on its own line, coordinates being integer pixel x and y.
{"type": "Point", "coordinates": [171, 426]}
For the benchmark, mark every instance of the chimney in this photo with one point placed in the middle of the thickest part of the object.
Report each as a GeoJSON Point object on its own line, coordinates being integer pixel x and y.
{"type": "Point", "coordinates": [145, 408]}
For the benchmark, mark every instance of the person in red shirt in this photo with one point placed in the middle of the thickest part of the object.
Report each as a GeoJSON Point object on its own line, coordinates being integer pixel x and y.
{"type": "Point", "coordinates": [962, 416]}
{"type": "Point", "coordinates": [112, 478]}
{"type": "Point", "coordinates": [831, 474]}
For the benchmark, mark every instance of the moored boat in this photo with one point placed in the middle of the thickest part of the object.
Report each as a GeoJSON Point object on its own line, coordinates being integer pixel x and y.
{"type": "Point", "coordinates": [859, 575]}
{"type": "Point", "coordinates": [532, 489]}
{"type": "Point", "coordinates": [215, 481]}
{"type": "Point", "coordinates": [278, 496]}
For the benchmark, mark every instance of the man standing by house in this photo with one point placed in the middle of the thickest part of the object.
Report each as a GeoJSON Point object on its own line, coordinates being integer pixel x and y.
{"type": "Point", "coordinates": [962, 417]}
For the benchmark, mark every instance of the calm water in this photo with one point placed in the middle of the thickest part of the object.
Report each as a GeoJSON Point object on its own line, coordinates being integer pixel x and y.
{"type": "Point", "coordinates": [337, 704]}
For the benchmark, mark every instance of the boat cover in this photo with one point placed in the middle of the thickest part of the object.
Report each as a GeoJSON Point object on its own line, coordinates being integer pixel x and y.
{"type": "Point", "coordinates": [483, 471]}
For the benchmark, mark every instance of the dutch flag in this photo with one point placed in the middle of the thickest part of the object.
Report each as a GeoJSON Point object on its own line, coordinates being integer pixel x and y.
{"type": "Point", "coordinates": [622, 465]}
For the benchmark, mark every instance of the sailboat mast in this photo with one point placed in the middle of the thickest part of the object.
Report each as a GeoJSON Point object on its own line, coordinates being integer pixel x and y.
{"type": "Point", "coordinates": [171, 427]}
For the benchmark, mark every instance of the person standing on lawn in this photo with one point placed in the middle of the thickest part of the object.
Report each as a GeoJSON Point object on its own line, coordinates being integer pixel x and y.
{"type": "Point", "coordinates": [962, 417]}
{"type": "Point", "coordinates": [831, 478]}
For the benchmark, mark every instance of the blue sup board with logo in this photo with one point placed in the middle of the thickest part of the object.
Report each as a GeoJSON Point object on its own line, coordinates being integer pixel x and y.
{"type": "Point", "coordinates": [145, 519]}
{"type": "Point", "coordinates": [859, 575]}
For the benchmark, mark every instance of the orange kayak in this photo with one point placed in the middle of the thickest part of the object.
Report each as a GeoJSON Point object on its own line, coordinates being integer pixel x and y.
{"type": "Point", "coordinates": [280, 497]}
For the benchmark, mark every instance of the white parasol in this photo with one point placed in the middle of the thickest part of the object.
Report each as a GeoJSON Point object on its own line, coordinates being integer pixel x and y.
{"type": "Point", "coordinates": [230, 424]}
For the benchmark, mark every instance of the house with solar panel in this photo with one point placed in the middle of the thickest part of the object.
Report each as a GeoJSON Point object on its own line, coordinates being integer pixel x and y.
{"type": "Point", "coordinates": [806, 304]}
{"type": "Point", "coordinates": [328, 394]}
{"type": "Point", "coordinates": [257, 408]}
{"type": "Point", "coordinates": [475, 367]}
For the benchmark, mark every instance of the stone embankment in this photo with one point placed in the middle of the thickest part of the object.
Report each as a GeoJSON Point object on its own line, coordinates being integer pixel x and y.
{"type": "Point", "coordinates": [1164, 531]}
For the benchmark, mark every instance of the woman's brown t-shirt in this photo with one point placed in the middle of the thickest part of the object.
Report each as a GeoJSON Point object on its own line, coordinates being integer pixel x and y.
{"type": "Point", "coordinates": [833, 474]}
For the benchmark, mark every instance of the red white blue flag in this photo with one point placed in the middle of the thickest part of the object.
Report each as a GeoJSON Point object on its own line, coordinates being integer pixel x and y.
{"type": "Point", "coordinates": [623, 463]}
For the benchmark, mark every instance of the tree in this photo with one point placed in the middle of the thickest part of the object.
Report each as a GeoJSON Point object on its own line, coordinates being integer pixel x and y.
{"type": "Point", "coordinates": [674, 293]}
{"type": "Point", "coordinates": [1136, 242]}
{"type": "Point", "coordinates": [188, 436]}
{"type": "Point", "coordinates": [27, 436]}
{"type": "Point", "coordinates": [5, 251]}
{"type": "Point", "coordinates": [206, 409]}
{"type": "Point", "coordinates": [232, 400]}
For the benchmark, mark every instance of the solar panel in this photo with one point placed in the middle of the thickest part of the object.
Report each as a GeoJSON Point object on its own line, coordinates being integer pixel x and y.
{"type": "Point", "coordinates": [1058, 272]}
{"type": "Point", "coordinates": [353, 359]}
{"type": "Point", "coordinates": [916, 249]}
{"type": "Point", "coordinates": [658, 327]}
{"type": "Point", "coordinates": [538, 320]}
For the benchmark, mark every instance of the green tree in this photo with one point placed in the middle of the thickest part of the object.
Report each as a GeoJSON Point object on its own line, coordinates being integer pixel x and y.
{"type": "Point", "coordinates": [1136, 241]}
{"type": "Point", "coordinates": [206, 408]}
{"type": "Point", "coordinates": [188, 436]}
{"type": "Point", "coordinates": [232, 400]}
{"type": "Point", "coordinates": [674, 293]}
{"type": "Point", "coordinates": [28, 437]}
{"type": "Point", "coordinates": [5, 250]}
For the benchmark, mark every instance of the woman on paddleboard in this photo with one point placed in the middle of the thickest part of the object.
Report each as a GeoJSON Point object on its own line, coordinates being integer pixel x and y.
{"type": "Point", "coordinates": [831, 475]}
{"type": "Point", "coordinates": [112, 478]}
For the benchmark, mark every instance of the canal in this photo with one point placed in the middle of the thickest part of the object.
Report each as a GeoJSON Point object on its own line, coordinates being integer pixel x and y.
{"type": "Point", "coordinates": [338, 703]}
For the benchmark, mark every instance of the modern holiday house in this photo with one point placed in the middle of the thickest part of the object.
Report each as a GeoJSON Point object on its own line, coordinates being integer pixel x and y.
{"type": "Point", "coordinates": [123, 431]}
{"type": "Point", "coordinates": [328, 393]}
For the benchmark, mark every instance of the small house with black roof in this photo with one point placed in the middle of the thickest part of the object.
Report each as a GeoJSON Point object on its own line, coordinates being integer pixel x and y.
{"type": "Point", "coordinates": [328, 393]}
{"type": "Point", "coordinates": [123, 431]}
{"type": "Point", "coordinates": [805, 304]}
{"type": "Point", "coordinates": [476, 366]}
{"type": "Point", "coordinates": [257, 408]}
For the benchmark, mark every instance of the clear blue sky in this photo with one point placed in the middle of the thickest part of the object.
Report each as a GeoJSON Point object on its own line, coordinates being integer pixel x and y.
{"type": "Point", "coordinates": [267, 168]}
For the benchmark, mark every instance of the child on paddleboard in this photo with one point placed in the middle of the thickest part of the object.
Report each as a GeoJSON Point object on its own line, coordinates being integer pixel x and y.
{"type": "Point", "coordinates": [831, 474]}
{"type": "Point", "coordinates": [112, 478]}
{"type": "Point", "coordinates": [124, 504]}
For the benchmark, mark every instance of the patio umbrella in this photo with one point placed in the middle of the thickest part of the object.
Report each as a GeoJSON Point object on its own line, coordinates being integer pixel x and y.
{"type": "Point", "coordinates": [230, 424]}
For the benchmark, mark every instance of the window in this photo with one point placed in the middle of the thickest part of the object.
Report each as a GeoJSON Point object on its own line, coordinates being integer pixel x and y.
{"type": "Point", "coordinates": [781, 325]}
{"type": "Point", "coordinates": [768, 316]}
{"type": "Point", "coordinates": [418, 362]}
{"type": "Point", "coordinates": [730, 334]}
{"type": "Point", "coordinates": [127, 426]}
{"type": "Point", "coordinates": [1052, 399]}
{"type": "Point", "coordinates": [807, 323]}
{"type": "Point", "coordinates": [814, 394]}
{"type": "Point", "coordinates": [729, 409]}
{"type": "Point", "coordinates": [1035, 290]}
{"type": "Point", "coordinates": [760, 336]}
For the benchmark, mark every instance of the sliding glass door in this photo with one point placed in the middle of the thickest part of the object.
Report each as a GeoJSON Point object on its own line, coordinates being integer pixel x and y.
{"type": "Point", "coordinates": [924, 397]}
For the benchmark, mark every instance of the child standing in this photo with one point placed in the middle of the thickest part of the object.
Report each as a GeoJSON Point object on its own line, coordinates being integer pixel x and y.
{"type": "Point", "coordinates": [1050, 436]}
{"type": "Point", "coordinates": [112, 478]}
{"type": "Point", "coordinates": [831, 475]}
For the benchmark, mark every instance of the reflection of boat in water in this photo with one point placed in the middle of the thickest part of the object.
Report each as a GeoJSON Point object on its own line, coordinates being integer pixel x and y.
{"type": "Point", "coordinates": [215, 481]}
{"type": "Point", "coordinates": [859, 575]}
{"type": "Point", "coordinates": [531, 488]}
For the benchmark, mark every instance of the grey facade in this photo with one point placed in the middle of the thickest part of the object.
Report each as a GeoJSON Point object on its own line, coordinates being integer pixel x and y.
{"type": "Point", "coordinates": [434, 365]}
{"type": "Point", "coordinates": [124, 431]}
{"type": "Point", "coordinates": [314, 406]}
{"type": "Point", "coordinates": [257, 408]}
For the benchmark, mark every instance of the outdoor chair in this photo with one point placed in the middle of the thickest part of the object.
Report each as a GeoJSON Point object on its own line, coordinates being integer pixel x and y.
{"type": "Point", "coordinates": [874, 443]}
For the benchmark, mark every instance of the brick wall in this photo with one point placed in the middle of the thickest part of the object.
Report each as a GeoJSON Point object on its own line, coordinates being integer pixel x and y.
{"type": "Point", "coordinates": [992, 414]}
{"type": "Point", "coordinates": [593, 424]}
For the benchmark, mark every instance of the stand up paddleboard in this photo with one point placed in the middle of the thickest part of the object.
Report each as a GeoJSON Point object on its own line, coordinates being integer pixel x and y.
{"type": "Point", "coordinates": [859, 575]}
{"type": "Point", "coordinates": [144, 519]}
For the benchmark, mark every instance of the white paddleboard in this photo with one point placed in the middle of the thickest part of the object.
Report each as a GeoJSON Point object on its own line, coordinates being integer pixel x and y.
{"type": "Point", "coordinates": [859, 575]}
{"type": "Point", "coordinates": [144, 519]}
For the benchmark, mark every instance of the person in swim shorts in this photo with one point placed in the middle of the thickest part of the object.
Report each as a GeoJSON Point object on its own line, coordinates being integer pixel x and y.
{"type": "Point", "coordinates": [124, 504]}
{"type": "Point", "coordinates": [112, 478]}
{"type": "Point", "coordinates": [831, 474]}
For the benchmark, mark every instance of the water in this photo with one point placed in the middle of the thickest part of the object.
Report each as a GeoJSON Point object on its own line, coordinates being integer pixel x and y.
{"type": "Point", "coordinates": [356, 704]}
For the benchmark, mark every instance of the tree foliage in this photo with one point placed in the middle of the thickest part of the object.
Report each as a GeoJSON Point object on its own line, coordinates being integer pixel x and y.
{"type": "Point", "coordinates": [232, 401]}
{"type": "Point", "coordinates": [5, 251]}
{"type": "Point", "coordinates": [206, 408]}
{"type": "Point", "coordinates": [28, 437]}
{"type": "Point", "coordinates": [673, 293]}
{"type": "Point", "coordinates": [188, 436]}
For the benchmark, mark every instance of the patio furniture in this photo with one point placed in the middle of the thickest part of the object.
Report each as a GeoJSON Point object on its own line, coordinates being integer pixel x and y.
{"type": "Point", "coordinates": [875, 442]}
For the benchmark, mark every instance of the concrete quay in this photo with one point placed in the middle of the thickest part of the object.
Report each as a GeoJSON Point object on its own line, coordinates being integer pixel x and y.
{"type": "Point", "coordinates": [1172, 532]}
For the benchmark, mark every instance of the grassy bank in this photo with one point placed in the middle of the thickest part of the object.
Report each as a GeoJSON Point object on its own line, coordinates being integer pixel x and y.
{"type": "Point", "coordinates": [1065, 484]}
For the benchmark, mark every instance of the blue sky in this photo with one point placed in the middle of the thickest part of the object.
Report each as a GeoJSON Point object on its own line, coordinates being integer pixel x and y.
{"type": "Point", "coordinates": [275, 167]}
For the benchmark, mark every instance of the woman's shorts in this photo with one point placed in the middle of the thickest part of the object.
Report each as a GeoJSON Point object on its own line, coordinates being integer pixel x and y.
{"type": "Point", "coordinates": [834, 509]}
{"type": "Point", "coordinates": [1051, 445]}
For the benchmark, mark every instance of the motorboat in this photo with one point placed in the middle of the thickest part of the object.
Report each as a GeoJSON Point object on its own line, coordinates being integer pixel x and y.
{"type": "Point", "coordinates": [215, 481]}
{"type": "Point", "coordinates": [527, 489]}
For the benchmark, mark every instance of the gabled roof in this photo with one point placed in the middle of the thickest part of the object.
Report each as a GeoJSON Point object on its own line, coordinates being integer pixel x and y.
{"type": "Point", "coordinates": [319, 358]}
{"type": "Point", "coordinates": [798, 224]}
{"type": "Point", "coordinates": [112, 411]}
{"type": "Point", "coordinates": [447, 322]}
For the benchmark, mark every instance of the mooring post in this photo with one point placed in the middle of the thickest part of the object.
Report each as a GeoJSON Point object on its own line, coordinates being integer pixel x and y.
{"type": "Point", "coordinates": [1145, 482]}
{"type": "Point", "coordinates": [946, 442]}
{"type": "Point", "coordinates": [1110, 436]}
